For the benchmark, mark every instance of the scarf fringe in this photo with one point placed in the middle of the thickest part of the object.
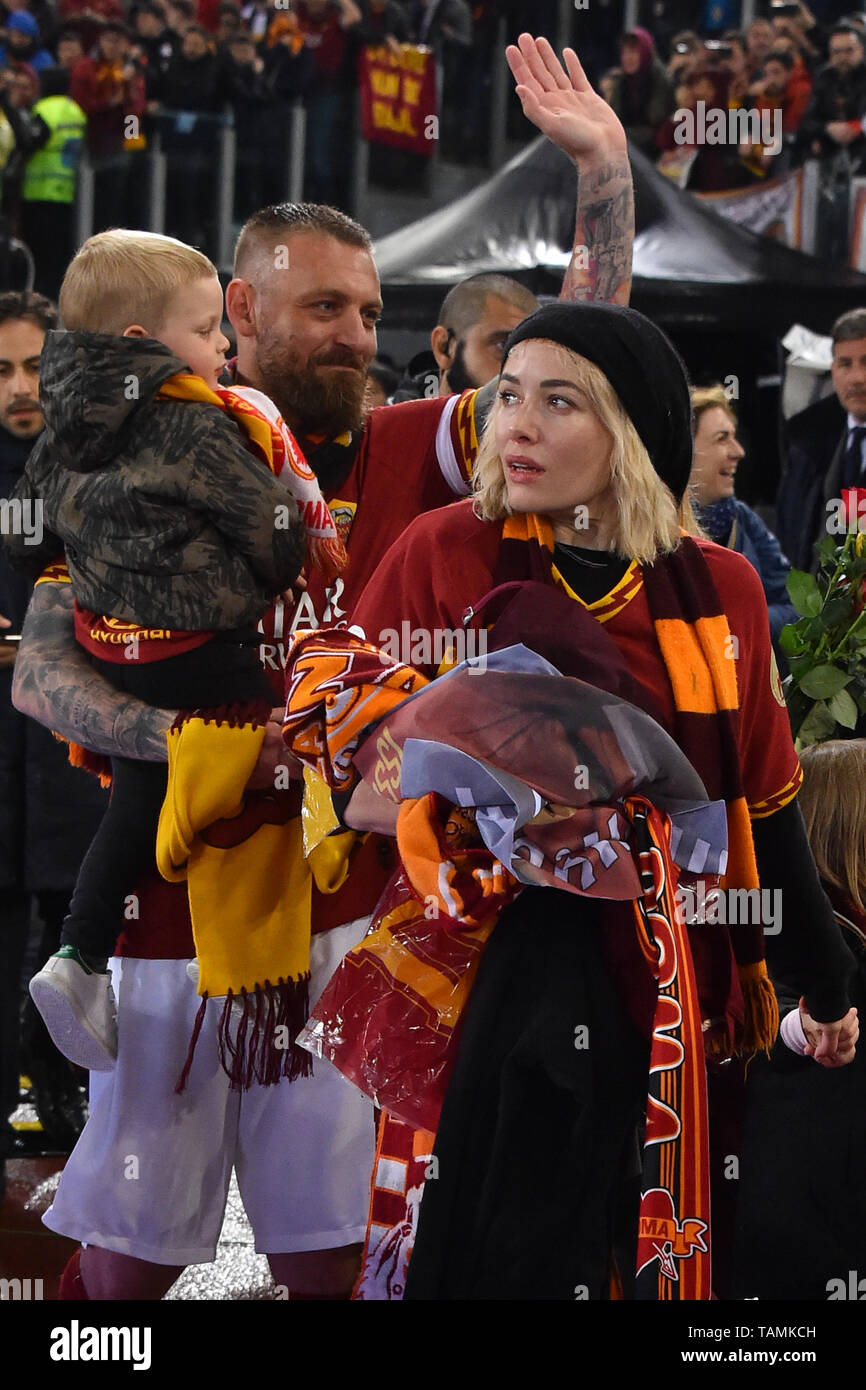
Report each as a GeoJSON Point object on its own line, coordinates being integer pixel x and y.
{"type": "Point", "coordinates": [253, 713]}
{"type": "Point", "coordinates": [197, 1026]}
{"type": "Point", "coordinates": [250, 1050]}
{"type": "Point", "coordinates": [761, 1022]}
{"type": "Point", "coordinates": [95, 763]}
{"type": "Point", "coordinates": [327, 556]}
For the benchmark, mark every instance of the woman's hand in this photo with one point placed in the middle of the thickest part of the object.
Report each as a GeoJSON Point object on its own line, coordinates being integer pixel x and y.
{"type": "Point", "coordinates": [560, 101]}
{"type": "Point", "coordinates": [830, 1044]}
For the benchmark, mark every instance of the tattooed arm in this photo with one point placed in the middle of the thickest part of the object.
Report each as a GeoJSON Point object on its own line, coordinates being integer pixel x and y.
{"type": "Point", "coordinates": [560, 101]}
{"type": "Point", "coordinates": [56, 684]}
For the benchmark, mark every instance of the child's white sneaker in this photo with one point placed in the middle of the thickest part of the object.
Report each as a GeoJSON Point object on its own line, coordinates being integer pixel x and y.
{"type": "Point", "coordinates": [79, 1009]}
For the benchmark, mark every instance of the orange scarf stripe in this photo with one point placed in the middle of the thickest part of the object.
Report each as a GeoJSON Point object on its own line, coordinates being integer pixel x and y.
{"type": "Point", "coordinates": [742, 865]}
{"type": "Point", "coordinates": [703, 678]}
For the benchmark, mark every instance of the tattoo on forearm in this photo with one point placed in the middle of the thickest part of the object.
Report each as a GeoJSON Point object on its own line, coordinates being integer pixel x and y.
{"type": "Point", "coordinates": [600, 266]}
{"type": "Point", "coordinates": [55, 684]}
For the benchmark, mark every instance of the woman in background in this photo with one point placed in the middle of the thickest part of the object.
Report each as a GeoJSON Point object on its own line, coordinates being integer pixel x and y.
{"type": "Point", "coordinates": [724, 518]}
{"type": "Point", "coordinates": [642, 94]}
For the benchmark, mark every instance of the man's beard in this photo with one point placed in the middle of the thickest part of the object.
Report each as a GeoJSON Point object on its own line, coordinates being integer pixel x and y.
{"type": "Point", "coordinates": [458, 376]}
{"type": "Point", "coordinates": [312, 401]}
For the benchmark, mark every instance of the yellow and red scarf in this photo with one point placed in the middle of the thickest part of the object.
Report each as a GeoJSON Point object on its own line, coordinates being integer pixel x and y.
{"type": "Point", "coordinates": [269, 437]}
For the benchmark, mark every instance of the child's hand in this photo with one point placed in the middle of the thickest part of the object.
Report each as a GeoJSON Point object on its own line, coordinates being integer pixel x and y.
{"type": "Point", "coordinates": [292, 596]}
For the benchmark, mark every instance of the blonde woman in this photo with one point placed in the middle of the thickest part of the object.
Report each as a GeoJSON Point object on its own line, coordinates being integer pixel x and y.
{"type": "Point", "coordinates": [580, 477]}
{"type": "Point", "coordinates": [722, 515]}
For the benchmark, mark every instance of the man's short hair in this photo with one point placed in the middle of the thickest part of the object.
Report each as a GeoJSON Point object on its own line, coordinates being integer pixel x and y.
{"type": "Point", "coordinates": [845, 30]}
{"type": "Point", "coordinates": [121, 277]}
{"type": "Point", "coordinates": [463, 306]}
{"type": "Point", "coordinates": [115, 26]}
{"type": "Point", "coordinates": [267, 227]}
{"type": "Point", "coordinates": [780, 55]}
{"type": "Point", "coordinates": [26, 304]}
{"type": "Point", "coordinates": [850, 325]}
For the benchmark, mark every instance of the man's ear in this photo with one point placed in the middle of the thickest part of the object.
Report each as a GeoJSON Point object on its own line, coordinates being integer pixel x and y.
{"type": "Point", "coordinates": [135, 330]}
{"type": "Point", "coordinates": [241, 307]}
{"type": "Point", "coordinates": [443, 344]}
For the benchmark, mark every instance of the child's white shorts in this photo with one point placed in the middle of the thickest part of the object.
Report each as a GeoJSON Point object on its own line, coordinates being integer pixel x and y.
{"type": "Point", "coordinates": [150, 1174]}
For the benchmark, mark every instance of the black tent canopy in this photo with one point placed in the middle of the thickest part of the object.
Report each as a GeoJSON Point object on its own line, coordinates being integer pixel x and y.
{"type": "Point", "coordinates": [691, 266]}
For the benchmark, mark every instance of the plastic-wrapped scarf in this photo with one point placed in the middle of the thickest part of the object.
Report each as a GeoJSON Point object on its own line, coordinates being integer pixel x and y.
{"type": "Point", "coordinates": [388, 1019]}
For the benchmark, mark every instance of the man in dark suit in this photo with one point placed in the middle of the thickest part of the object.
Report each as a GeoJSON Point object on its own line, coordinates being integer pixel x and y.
{"type": "Point", "coordinates": [824, 447]}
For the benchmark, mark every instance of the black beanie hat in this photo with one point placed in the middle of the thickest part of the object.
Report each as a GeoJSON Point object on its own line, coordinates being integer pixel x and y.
{"type": "Point", "coordinates": [641, 364]}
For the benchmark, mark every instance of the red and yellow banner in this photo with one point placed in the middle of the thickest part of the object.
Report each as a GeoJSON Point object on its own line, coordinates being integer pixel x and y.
{"type": "Point", "coordinates": [398, 97]}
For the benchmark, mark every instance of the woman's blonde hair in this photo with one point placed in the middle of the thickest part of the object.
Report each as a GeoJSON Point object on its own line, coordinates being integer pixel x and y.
{"type": "Point", "coordinates": [833, 802]}
{"type": "Point", "coordinates": [648, 523]}
{"type": "Point", "coordinates": [120, 277]}
{"type": "Point", "coordinates": [705, 397]}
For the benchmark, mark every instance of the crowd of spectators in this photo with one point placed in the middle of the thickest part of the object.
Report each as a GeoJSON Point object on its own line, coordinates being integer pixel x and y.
{"type": "Point", "coordinates": [116, 75]}
{"type": "Point", "coordinates": [179, 70]}
{"type": "Point", "coordinates": [798, 84]}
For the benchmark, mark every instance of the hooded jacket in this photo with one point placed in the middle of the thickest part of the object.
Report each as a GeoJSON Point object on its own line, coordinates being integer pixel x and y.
{"type": "Point", "coordinates": [166, 517]}
{"type": "Point", "coordinates": [34, 53]}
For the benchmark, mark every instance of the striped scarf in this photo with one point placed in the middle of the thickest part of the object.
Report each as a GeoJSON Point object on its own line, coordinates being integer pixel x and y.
{"type": "Point", "coordinates": [268, 436]}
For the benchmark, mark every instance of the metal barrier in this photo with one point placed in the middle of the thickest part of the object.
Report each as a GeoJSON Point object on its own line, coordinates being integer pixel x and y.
{"type": "Point", "coordinates": [225, 156]}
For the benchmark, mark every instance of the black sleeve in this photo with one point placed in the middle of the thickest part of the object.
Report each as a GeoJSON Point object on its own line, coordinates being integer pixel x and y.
{"type": "Point", "coordinates": [30, 131]}
{"type": "Point", "coordinates": [808, 955]}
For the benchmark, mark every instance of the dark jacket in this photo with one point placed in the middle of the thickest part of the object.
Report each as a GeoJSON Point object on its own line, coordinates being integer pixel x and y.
{"type": "Point", "coordinates": [813, 446]}
{"type": "Point", "coordinates": [49, 811]}
{"type": "Point", "coordinates": [754, 539]}
{"type": "Point", "coordinates": [377, 25]}
{"type": "Point", "coordinates": [643, 103]}
{"type": "Point", "coordinates": [190, 84]}
{"type": "Point", "coordinates": [835, 97]}
{"type": "Point", "coordinates": [428, 24]}
{"type": "Point", "coordinates": [734, 525]}
{"type": "Point", "coordinates": [166, 517]}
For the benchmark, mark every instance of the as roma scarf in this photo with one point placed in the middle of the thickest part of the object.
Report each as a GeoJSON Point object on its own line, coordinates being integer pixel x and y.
{"type": "Point", "coordinates": [269, 437]}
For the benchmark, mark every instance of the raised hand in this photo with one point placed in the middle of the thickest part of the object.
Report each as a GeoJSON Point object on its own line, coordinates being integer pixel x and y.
{"type": "Point", "coordinates": [561, 103]}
